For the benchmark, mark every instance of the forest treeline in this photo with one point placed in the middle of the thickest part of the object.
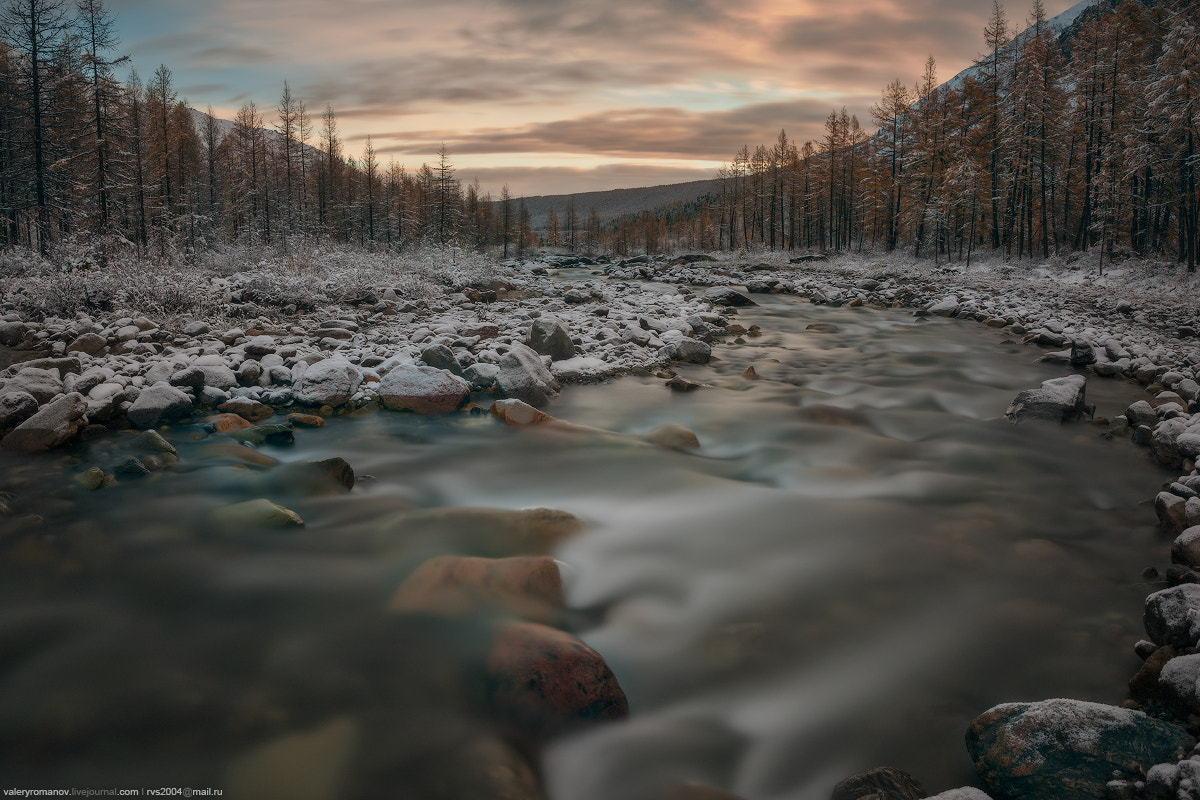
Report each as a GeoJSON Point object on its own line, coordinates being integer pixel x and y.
{"type": "Point", "coordinates": [127, 164]}
{"type": "Point", "coordinates": [1050, 144]}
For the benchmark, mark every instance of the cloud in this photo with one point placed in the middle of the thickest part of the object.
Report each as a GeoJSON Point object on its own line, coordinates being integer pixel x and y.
{"type": "Point", "coordinates": [534, 181]}
{"type": "Point", "coordinates": [636, 132]}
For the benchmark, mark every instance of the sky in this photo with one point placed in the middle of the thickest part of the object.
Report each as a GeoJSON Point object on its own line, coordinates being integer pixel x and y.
{"type": "Point", "coordinates": [556, 96]}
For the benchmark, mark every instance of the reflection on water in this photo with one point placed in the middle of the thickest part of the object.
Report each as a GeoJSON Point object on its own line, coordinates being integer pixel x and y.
{"type": "Point", "coordinates": [860, 559]}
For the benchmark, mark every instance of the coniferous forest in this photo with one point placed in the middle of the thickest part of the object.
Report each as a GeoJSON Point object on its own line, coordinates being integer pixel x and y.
{"type": "Point", "coordinates": [1055, 141]}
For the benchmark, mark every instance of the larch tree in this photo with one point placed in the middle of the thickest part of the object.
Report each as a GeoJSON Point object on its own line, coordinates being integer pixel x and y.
{"type": "Point", "coordinates": [35, 30]}
{"type": "Point", "coordinates": [96, 27]}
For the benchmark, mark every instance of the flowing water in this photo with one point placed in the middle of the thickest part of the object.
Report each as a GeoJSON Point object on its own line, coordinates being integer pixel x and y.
{"type": "Point", "coordinates": [861, 558]}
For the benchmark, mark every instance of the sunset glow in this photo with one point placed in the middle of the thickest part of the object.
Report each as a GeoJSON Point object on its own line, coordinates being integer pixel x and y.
{"type": "Point", "coordinates": [556, 96]}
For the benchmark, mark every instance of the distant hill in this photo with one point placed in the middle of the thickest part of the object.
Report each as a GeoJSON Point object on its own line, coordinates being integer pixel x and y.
{"type": "Point", "coordinates": [616, 203]}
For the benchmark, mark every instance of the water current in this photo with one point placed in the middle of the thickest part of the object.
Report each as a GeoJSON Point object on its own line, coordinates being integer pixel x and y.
{"type": "Point", "coordinates": [861, 557]}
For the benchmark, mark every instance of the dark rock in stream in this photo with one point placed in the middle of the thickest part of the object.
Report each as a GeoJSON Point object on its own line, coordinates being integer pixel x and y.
{"type": "Point", "coordinates": [1172, 616]}
{"type": "Point", "coordinates": [529, 587]}
{"type": "Point", "coordinates": [725, 296]}
{"type": "Point", "coordinates": [1067, 749]}
{"type": "Point", "coordinates": [278, 435]}
{"type": "Point", "coordinates": [544, 682]}
{"type": "Point", "coordinates": [883, 783]}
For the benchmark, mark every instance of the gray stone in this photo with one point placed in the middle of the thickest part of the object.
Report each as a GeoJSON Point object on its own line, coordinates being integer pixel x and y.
{"type": "Point", "coordinates": [15, 408]}
{"type": "Point", "coordinates": [191, 377]}
{"type": "Point", "coordinates": [965, 793]}
{"type": "Point", "coordinates": [1067, 749]}
{"type": "Point", "coordinates": [1172, 616]}
{"type": "Point", "coordinates": [1082, 353]}
{"type": "Point", "coordinates": [1172, 512]}
{"type": "Point", "coordinates": [1164, 444]}
{"type": "Point", "coordinates": [524, 376]}
{"type": "Point", "coordinates": [158, 404]}
{"type": "Point", "coordinates": [945, 307]}
{"type": "Point", "coordinates": [196, 329]}
{"type": "Point", "coordinates": [55, 423]}
{"type": "Point", "coordinates": [440, 356]}
{"type": "Point", "coordinates": [1058, 400]}
{"type": "Point", "coordinates": [481, 376]}
{"type": "Point", "coordinates": [883, 782]}
{"type": "Point", "coordinates": [43, 384]}
{"type": "Point", "coordinates": [550, 337]}
{"type": "Point", "coordinates": [423, 389]}
{"type": "Point", "coordinates": [1141, 413]}
{"type": "Point", "coordinates": [330, 382]}
{"type": "Point", "coordinates": [91, 343]}
{"type": "Point", "coordinates": [725, 296]}
{"type": "Point", "coordinates": [1186, 547]}
{"type": "Point", "coordinates": [11, 333]}
{"type": "Point", "coordinates": [249, 372]}
{"type": "Point", "coordinates": [152, 442]}
{"type": "Point", "coordinates": [1178, 684]}
{"type": "Point", "coordinates": [690, 351]}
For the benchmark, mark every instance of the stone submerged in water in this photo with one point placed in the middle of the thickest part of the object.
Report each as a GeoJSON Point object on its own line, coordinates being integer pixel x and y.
{"type": "Point", "coordinates": [1057, 400]}
{"type": "Point", "coordinates": [525, 586]}
{"type": "Point", "coordinates": [422, 389]}
{"type": "Point", "coordinates": [883, 782]}
{"type": "Point", "coordinates": [1067, 749]}
{"type": "Point", "coordinates": [544, 682]}
{"type": "Point", "coordinates": [260, 513]}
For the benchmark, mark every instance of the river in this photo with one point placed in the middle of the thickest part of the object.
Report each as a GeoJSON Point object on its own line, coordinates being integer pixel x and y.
{"type": "Point", "coordinates": [861, 557]}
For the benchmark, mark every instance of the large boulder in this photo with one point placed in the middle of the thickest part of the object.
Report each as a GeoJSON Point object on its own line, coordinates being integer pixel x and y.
{"type": "Point", "coordinates": [43, 384]}
{"type": "Point", "coordinates": [423, 389]}
{"type": "Point", "coordinates": [331, 382]}
{"type": "Point", "coordinates": [160, 403]}
{"type": "Point", "coordinates": [439, 356]}
{"type": "Point", "coordinates": [1067, 749]}
{"type": "Point", "coordinates": [689, 351]}
{"type": "Point", "coordinates": [1057, 400]}
{"type": "Point", "coordinates": [550, 337]}
{"type": "Point", "coordinates": [1172, 616]}
{"type": "Point", "coordinates": [544, 682]}
{"type": "Point", "coordinates": [725, 296]}
{"type": "Point", "coordinates": [15, 408]}
{"type": "Point", "coordinates": [91, 343]}
{"type": "Point", "coordinates": [525, 377]}
{"type": "Point", "coordinates": [55, 423]}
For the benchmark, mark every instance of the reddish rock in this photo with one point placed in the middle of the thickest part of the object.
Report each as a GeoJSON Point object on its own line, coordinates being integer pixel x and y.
{"type": "Point", "coordinates": [527, 586]}
{"type": "Point", "coordinates": [491, 532]}
{"type": "Point", "coordinates": [518, 413]}
{"type": "Point", "coordinates": [544, 682]}
{"type": "Point", "coordinates": [247, 408]}
{"type": "Point", "coordinates": [305, 420]}
{"type": "Point", "coordinates": [224, 423]}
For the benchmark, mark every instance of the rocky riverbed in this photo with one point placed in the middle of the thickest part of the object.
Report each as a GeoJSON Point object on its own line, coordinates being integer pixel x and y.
{"type": "Point", "coordinates": [529, 327]}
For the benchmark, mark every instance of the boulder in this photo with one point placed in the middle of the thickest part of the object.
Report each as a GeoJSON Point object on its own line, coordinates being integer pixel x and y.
{"type": "Point", "coordinates": [1179, 684]}
{"type": "Point", "coordinates": [689, 351]}
{"type": "Point", "coordinates": [158, 404]}
{"type": "Point", "coordinates": [152, 442]}
{"type": "Point", "coordinates": [1172, 616]}
{"type": "Point", "coordinates": [883, 783]}
{"type": "Point", "coordinates": [518, 413]}
{"type": "Point", "coordinates": [11, 333]}
{"type": "Point", "coordinates": [227, 423]}
{"type": "Point", "coordinates": [725, 296]}
{"type": "Point", "coordinates": [423, 389]}
{"type": "Point", "coordinates": [275, 435]}
{"type": "Point", "coordinates": [1141, 413]}
{"type": "Point", "coordinates": [91, 343]}
{"type": "Point", "coordinates": [1186, 547]}
{"type": "Point", "coordinates": [946, 307]}
{"type": "Point", "coordinates": [1067, 749]}
{"type": "Point", "coordinates": [525, 586]}
{"type": "Point", "coordinates": [549, 336]}
{"type": "Point", "coordinates": [331, 382]}
{"type": "Point", "coordinates": [246, 408]}
{"type": "Point", "coordinates": [54, 424]}
{"type": "Point", "coordinates": [1057, 400]}
{"type": "Point", "coordinates": [523, 376]}
{"type": "Point", "coordinates": [439, 356]}
{"type": "Point", "coordinates": [43, 384]}
{"type": "Point", "coordinates": [1172, 513]}
{"type": "Point", "coordinates": [964, 793]}
{"type": "Point", "coordinates": [1082, 353]}
{"type": "Point", "coordinates": [481, 376]}
{"type": "Point", "coordinates": [15, 408]}
{"type": "Point", "coordinates": [1164, 443]}
{"type": "Point", "coordinates": [544, 682]}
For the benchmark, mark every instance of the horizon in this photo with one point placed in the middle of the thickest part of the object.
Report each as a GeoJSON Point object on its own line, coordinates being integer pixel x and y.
{"type": "Point", "coordinates": [556, 98]}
